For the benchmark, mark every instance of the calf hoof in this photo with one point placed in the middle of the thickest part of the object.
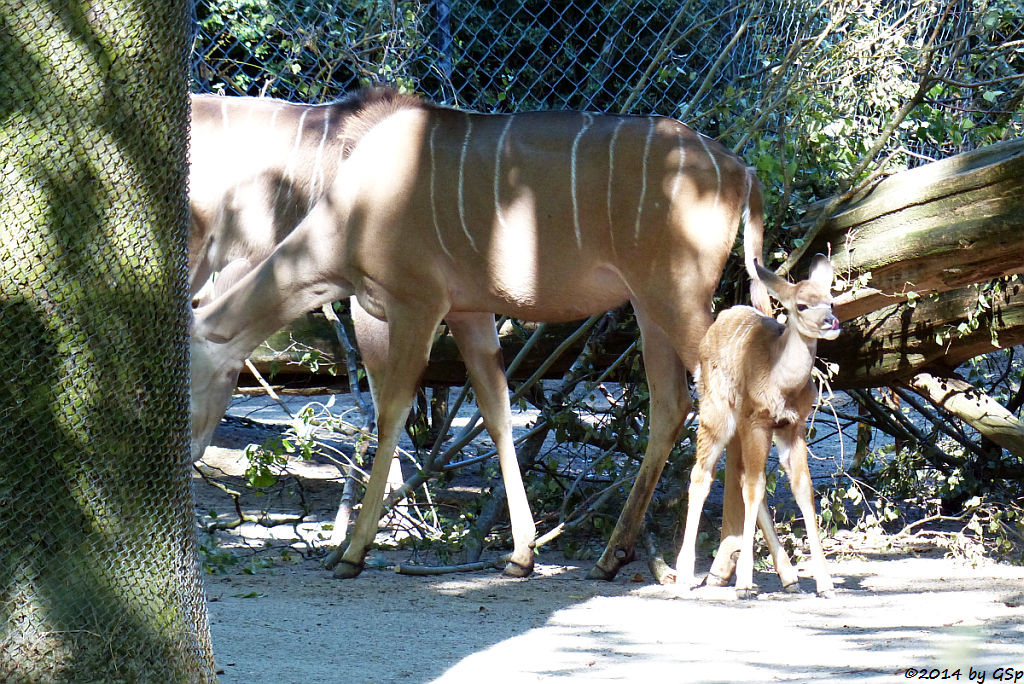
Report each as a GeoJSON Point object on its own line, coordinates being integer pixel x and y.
{"type": "Point", "coordinates": [827, 594]}
{"type": "Point", "coordinates": [345, 570]}
{"type": "Point", "coordinates": [747, 593]}
{"type": "Point", "coordinates": [714, 580]}
{"type": "Point", "coordinates": [515, 569]}
{"type": "Point", "coordinates": [792, 588]}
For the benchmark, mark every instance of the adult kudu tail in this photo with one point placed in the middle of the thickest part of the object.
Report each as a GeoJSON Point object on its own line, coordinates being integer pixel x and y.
{"type": "Point", "coordinates": [435, 213]}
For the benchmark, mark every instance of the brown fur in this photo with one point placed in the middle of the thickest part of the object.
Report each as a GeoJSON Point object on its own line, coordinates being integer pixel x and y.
{"type": "Point", "coordinates": [369, 106]}
{"type": "Point", "coordinates": [438, 214]}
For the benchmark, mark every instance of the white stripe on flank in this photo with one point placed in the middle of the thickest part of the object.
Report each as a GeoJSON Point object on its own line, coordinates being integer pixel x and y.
{"type": "Point", "coordinates": [643, 177]}
{"type": "Point", "coordinates": [462, 179]}
{"type": "Point", "coordinates": [611, 175]}
{"type": "Point", "coordinates": [224, 113]}
{"type": "Point", "coordinates": [433, 190]}
{"type": "Point", "coordinates": [587, 121]}
{"type": "Point", "coordinates": [289, 172]}
{"type": "Point", "coordinates": [679, 171]}
{"type": "Point", "coordinates": [718, 172]}
{"type": "Point", "coordinates": [497, 172]}
{"type": "Point", "coordinates": [289, 168]}
{"type": "Point", "coordinates": [318, 163]}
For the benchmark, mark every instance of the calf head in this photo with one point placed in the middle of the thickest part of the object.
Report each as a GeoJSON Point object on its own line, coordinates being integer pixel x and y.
{"type": "Point", "coordinates": [808, 303]}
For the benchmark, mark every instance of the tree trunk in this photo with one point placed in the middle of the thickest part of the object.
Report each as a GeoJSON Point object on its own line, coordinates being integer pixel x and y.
{"type": "Point", "coordinates": [99, 570]}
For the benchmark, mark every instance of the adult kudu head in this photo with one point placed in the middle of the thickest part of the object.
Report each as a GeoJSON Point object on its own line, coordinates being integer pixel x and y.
{"type": "Point", "coordinates": [424, 212]}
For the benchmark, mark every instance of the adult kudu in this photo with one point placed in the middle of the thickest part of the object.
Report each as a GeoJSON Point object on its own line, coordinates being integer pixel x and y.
{"type": "Point", "coordinates": [426, 213]}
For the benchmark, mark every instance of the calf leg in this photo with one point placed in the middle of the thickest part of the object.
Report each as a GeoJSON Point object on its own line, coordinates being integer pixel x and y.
{"type": "Point", "coordinates": [410, 336]}
{"type": "Point", "coordinates": [724, 564]}
{"type": "Point", "coordinates": [793, 457]}
{"type": "Point", "coordinates": [478, 344]}
{"type": "Point", "coordinates": [709, 447]}
{"type": "Point", "coordinates": [755, 443]}
{"type": "Point", "coordinates": [732, 530]}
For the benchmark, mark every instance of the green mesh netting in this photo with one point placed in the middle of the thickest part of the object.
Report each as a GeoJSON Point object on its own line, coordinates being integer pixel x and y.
{"type": "Point", "coordinates": [99, 578]}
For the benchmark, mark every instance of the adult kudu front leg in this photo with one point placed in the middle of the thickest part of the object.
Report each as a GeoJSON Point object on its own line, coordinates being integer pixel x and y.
{"type": "Point", "coordinates": [410, 334]}
{"type": "Point", "coordinates": [477, 340]}
{"type": "Point", "coordinates": [793, 459]}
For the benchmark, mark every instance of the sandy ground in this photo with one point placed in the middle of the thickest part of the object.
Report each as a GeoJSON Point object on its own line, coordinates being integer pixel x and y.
{"type": "Point", "coordinates": [890, 614]}
{"type": "Point", "coordinates": [897, 615]}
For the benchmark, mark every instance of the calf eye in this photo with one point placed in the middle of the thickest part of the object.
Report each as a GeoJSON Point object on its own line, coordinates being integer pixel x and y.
{"type": "Point", "coordinates": [801, 307]}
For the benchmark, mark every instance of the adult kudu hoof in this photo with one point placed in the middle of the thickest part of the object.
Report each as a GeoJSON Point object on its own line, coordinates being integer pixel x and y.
{"type": "Point", "coordinates": [346, 570]}
{"type": "Point", "coordinates": [827, 594]}
{"type": "Point", "coordinates": [333, 557]}
{"type": "Point", "coordinates": [599, 573]}
{"type": "Point", "coordinates": [792, 588]}
{"type": "Point", "coordinates": [514, 569]}
{"type": "Point", "coordinates": [609, 564]}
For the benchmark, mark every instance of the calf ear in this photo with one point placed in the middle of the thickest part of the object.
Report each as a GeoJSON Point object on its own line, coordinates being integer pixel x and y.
{"type": "Point", "coordinates": [780, 287]}
{"type": "Point", "coordinates": [821, 271]}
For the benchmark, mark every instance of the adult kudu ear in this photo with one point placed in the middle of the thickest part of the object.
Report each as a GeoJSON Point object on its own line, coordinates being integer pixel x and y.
{"type": "Point", "coordinates": [821, 271]}
{"type": "Point", "coordinates": [779, 287]}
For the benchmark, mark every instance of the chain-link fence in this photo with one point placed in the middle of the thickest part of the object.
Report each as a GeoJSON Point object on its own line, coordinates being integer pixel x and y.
{"type": "Point", "coordinates": [99, 579]}
{"type": "Point", "coordinates": [742, 71]}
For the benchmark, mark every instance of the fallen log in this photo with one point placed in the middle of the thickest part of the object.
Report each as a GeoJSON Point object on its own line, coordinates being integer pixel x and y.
{"type": "Point", "coordinates": [892, 344]}
{"type": "Point", "coordinates": [308, 353]}
{"type": "Point", "coordinates": [935, 228]}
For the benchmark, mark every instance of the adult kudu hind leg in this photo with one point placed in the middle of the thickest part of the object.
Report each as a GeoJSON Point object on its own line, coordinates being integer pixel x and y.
{"type": "Point", "coordinates": [478, 344]}
{"type": "Point", "coordinates": [410, 334]}
{"type": "Point", "coordinates": [670, 402]}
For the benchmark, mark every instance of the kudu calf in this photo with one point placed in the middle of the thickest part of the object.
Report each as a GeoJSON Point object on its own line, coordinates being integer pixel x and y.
{"type": "Point", "coordinates": [755, 382]}
{"type": "Point", "coordinates": [431, 213]}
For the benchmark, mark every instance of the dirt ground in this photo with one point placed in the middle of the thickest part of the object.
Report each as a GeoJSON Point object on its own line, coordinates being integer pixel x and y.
{"type": "Point", "coordinates": [897, 614]}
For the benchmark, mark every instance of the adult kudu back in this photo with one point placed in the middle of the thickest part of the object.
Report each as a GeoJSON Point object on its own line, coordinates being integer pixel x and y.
{"type": "Point", "coordinates": [426, 213]}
